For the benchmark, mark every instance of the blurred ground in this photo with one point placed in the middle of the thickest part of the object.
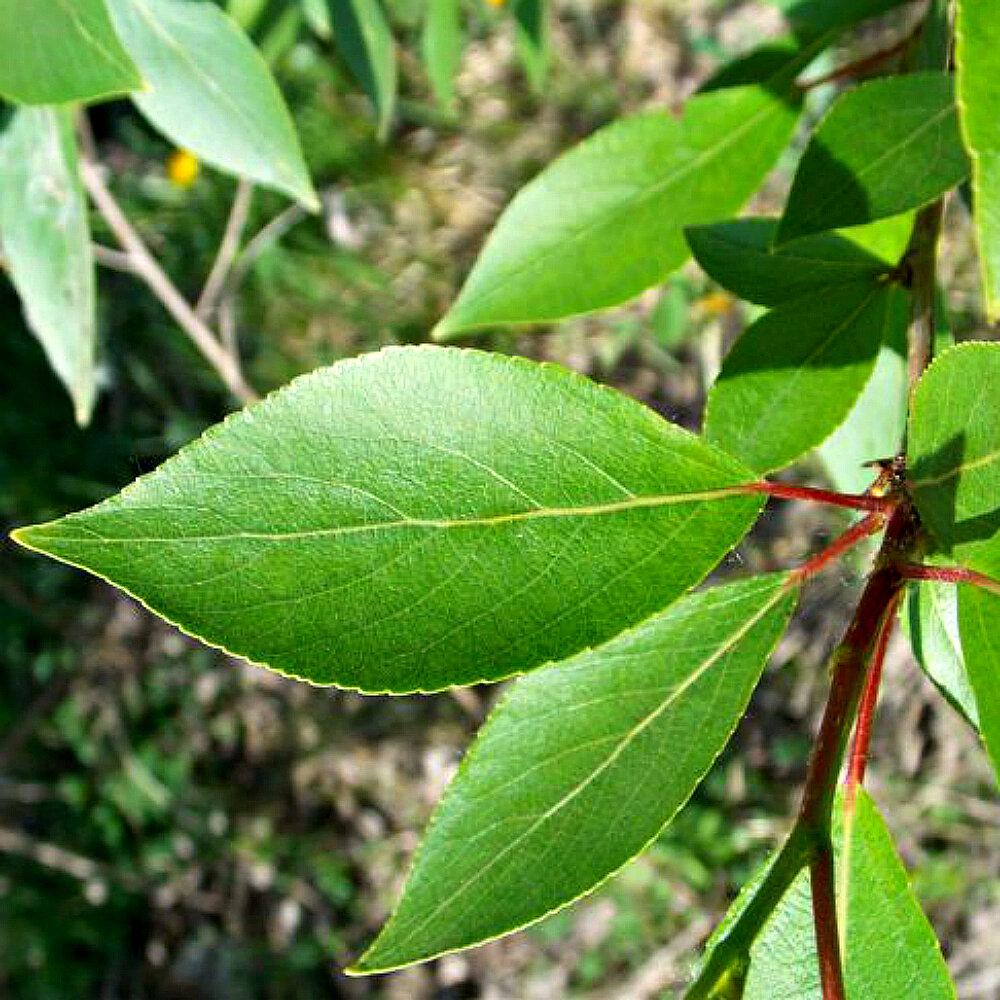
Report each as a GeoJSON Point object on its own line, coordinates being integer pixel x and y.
{"type": "Point", "coordinates": [177, 824]}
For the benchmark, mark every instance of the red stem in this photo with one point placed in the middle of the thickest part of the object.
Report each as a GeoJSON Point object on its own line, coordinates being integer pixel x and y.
{"type": "Point", "coordinates": [858, 67]}
{"type": "Point", "coordinates": [825, 922]}
{"type": "Point", "coordinates": [869, 525]}
{"type": "Point", "coordinates": [852, 501]}
{"type": "Point", "coordinates": [950, 574]}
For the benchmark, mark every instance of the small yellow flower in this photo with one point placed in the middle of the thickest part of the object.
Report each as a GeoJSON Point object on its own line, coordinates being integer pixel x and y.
{"type": "Point", "coordinates": [182, 168]}
{"type": "Point", "coordinates": [717, 303]}
{"type": "Point", "coordinates": [496, 3]}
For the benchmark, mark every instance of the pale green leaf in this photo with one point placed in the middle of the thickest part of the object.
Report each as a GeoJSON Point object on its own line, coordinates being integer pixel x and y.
{"type": "Point", "coordinates": [580, 767]}
{"type": "Point", "coordinates": [605, 221]}
{"type": "Point", "coordinates": [441, 47]}
{"type": "Point", "coordinates": [364, 39]}
{"type": "Point", "coordinates": [46, 240]}
{"type": "Point", "coordinates": [418, 518]}
{"type": "Point", "coordinates": [211, 92]}
{"type": "Point", "coordinates": [60, 51]}
{"type": "Point", "coordinates": [890, 950]}
{"type": "Point", "coordinates": [954, 445]}
{"type": "Point", "coordinates": [977, 42]}
{"type": "Point", "coordinates": [794, 375]}
{"type": "Point", "coordinates": [885, 147]}
{"type": "Point", "coordinates": [739, 256]}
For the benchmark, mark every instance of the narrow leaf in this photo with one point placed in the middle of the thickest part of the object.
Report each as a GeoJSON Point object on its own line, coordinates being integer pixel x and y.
{"type": "Point", "coordinates": [885, 147]}
{"type": "Point", "coordinates": [532, 39]}
{"type": "Point", "coordinates": [362, 36]}
{"type": "Point", "coordinates": [61, 51]}
{"type": "Point", "coordinates": [211, 92]}
{"type": "Point", "coordinates": [46, 239]}
{"type": "Point", "coordinates": [931, 617]}
{"type": "Point", "coordinates": [418, 518]}
{"type": "Point", "coordinates": [604, 222]}
{"type": "Point", "coordinates": [890, 950]}
{"type": "Point", "coordinates": [739, 256]}
{"type": "Point", "coordinates": [977, 41]}
{"type": "Point", "coordinates": [580, 767]}
{"type": "Point", "coordinates": [441, 47]}
{"type": "Point", "coordinates": [795, 374]}
{"type": "Point", "coordinates": [954, 445]}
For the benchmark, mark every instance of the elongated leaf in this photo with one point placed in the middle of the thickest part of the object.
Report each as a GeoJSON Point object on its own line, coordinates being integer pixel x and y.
{"type": "Point", "coordinates": [795, 374]}
{"type": "Point", "coordinates": [211, 92]}
{"type": "Point", "coordinates": [605, 221]}
{"type": "Point", "coordinates": [580, 767]}
{"type": "Point", "coordinates": [932, 623]}
{"type": "Point", "coordinates": [814, 16]}
{"type": "Point", "coordinates": [954, 445]}
{"type": "Point", "coordinates": [363, 38]}
{"type": "Point", "coordinates": [890, 950]}
{"type": "Point", "coordinates": [61, 51]}
{"type": "Point", "coordinates": [739, 256]}
{"type": "Point", "coordinates": [441, 46]}
{"type": "Point", "coordinates": [46, 238]}
{"type": "Point", "coordinates": [884, 148]}
{"type": "Point", "coordinates": [977, 35]}
{"type": "Point", "coordinates": [417, 519]}
{"type": "Point", "coordinates": [532, 39]}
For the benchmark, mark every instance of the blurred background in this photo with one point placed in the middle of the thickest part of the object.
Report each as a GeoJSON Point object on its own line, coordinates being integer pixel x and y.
{"type": "Point", "coordinates": [175, 823]}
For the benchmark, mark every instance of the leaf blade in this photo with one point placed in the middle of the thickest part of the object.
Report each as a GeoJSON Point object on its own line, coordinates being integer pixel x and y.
{"type": "Point", "coordinates": [563, 742]}
{"type": "Point", "coordinates": [195, 56]}
{"type": "Point", "coordinates": [513, 537]}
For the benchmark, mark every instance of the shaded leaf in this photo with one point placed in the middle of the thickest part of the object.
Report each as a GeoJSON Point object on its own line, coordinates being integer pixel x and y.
{"type": "Point", "coordinates": [954, 445]}
{"type": "Point", "coordinates": [441, 47]}
{"type": "Point", "coordinates": [532, 42]}
{"type": "Point", "coordinates": [418, 518]}
{"type": "Point", "coordinates": [580, 767]}
{"type": "Point", "coordinates": [810, 17]}
{"type": "Point", "coordinates": [604, 222]}
{"type": "Point", "coordinates": [890, 950]}
{"type": "Point", "coordinates": [61, 51]}
{"type": "Point", "coordinates": [364, 39]}
{"type": "Point", "coordinates": [885, 147]}
{"type": "Point", "coordinates": [794, 375]}
{"type": "Point", "coordinates": [739, 256]}
{"type": "Point", "coordinates": [977, 35]}
{"type": "Point", "coordinates": [46, 239]}
{"type": "Point", "coordinates": [211, 92]}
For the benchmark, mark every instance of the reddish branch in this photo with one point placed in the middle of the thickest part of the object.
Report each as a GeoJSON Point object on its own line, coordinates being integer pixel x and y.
{"type": "Point", "coordinates": [825, 922]}
{"type": "Point", "coordinates": [851, 501]}
{"type": "Point", "coordinates": [950, 574]}
{"type": "Point", "coordinates": [865, 528]}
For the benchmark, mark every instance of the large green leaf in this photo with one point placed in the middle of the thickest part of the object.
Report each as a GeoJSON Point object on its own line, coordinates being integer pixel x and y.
{"type": "Point", "coordinates": [418, 518]}
{"type": "Point", "coordinates": [931, 618]}
{"type": "Point", "coordinates": [605, 221]}
{"type": "Point", "coordinates": [977, 34]}
{"type": "Point", "coordinates": [794, 375]}
{"type": "Point", "coordinates": [739, 256]}
{"type": "Point", "coordinates": [441, 47]}
{"type": "Point", "coordinates": [885, 147]}
{"type": "Point", "coordinates": [580, 767]}
{"type": "Point", "coordinates": [61, 51]}
{"type": "Point", "coordinates": [890, 950]}
{"type": "Point", "coordinates": [211, 92]}
{"type": "Point", "coordinates": [954, 445]}
{"type": "Point", "coordinates": [364, 39]}
{"type": "Point", "coordinates": [46, 238]}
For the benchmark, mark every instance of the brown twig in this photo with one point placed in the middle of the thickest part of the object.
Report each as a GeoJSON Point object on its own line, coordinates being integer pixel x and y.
{"type": "Point", "coordinates": [859, 67]}
{"type": "Point", "coordinates": [919, 260]}
{"type": "Point", "coordinates": [146, 267]}
{"type": "Point", "coordinates": [228, 248]}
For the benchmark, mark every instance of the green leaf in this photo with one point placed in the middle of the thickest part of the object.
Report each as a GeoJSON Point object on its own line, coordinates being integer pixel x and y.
{"type": "Point", "coordinates": [61, 51]}
{"type": "Point", "coordinates": [794, 375]}
{"type": "Point", "coordinates": [954, 445]}
{"type": "Point", "coordinates": [977, 41]}
{"type": "Point", "coordinates": [931, 617]}
{"type": "Point", "coordinates": [46, 239]}
{"type": "Point", "coordinates": [532, 39]}
{"type": "Point", "coordinates": [604, 222]}
{"type": "Point", "coordinates": [739, 256]}
{"type": "Point", "coordinates": [890, 950]}
{"type": "Point", "coordinates": [580, 767]}
{"type": "Point", "coordinates": [419, 518]}
{"type": "Point", "coordinates": [814, 16]}
{"type": "Point", "coordinates": [362, 36]}
{"type": "Point", "coordinates": [884, 147]}
{"type": "Point", "coordinates": [441, 47]}
{"type": "Point", "coordinates": [979, 627]}
{"type": "Point", "coordinates": [211, 92]}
